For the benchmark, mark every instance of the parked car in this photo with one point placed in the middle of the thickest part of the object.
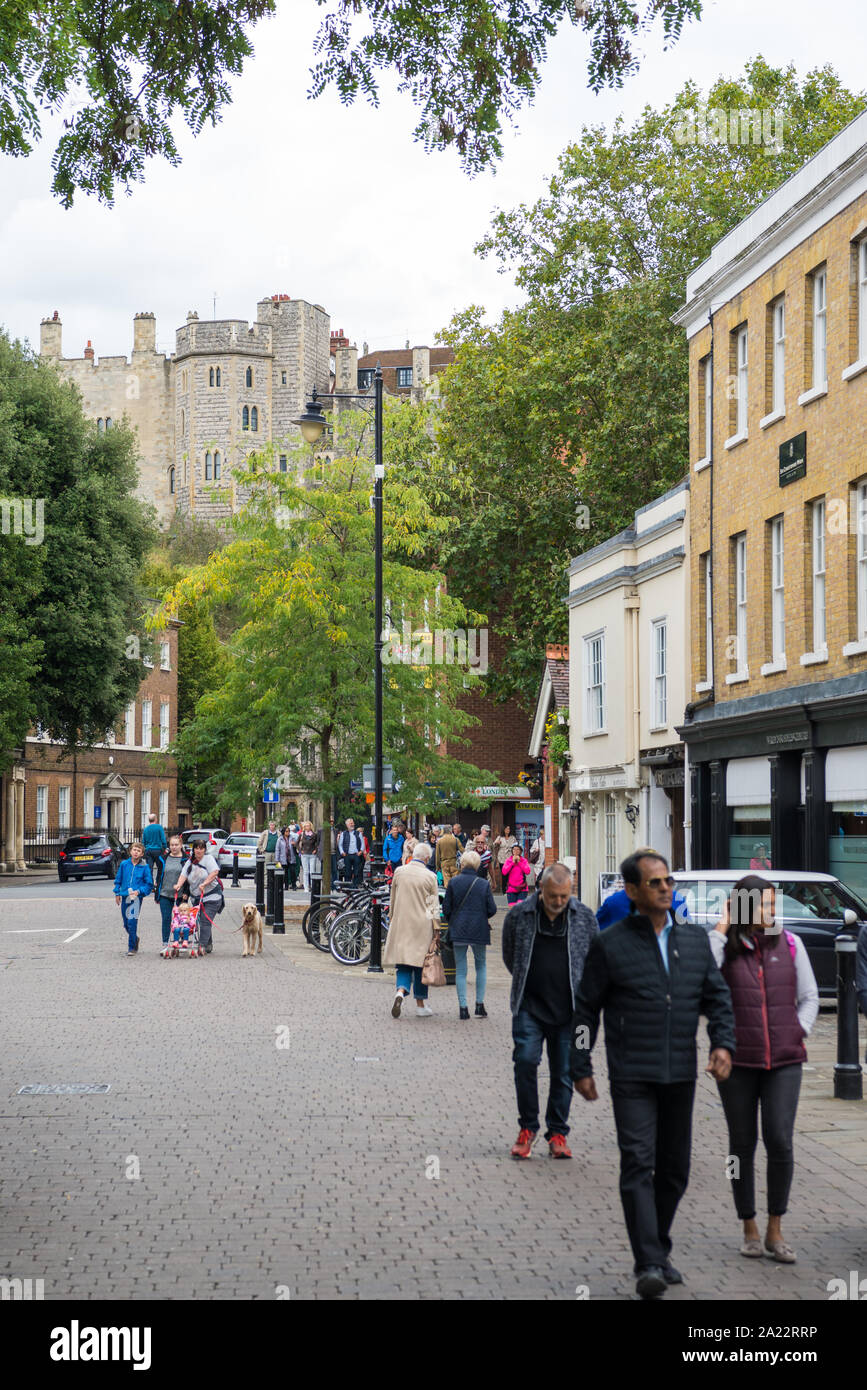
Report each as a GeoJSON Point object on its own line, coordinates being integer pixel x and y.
{"type": "Point", "coordinates": [813, 906]}
{"type": "Point", "coordinates": [245, 843]}
{"type": "Point", "coordinates": [212, 838]}
{"type": "Point", "coordinates": [89, 854]}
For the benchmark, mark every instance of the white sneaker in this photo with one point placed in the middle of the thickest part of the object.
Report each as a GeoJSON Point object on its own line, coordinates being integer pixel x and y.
{"type": "Point", "coordinates": [398, 1000]}
{"type": "Point", "coordinates": [424, 1011]}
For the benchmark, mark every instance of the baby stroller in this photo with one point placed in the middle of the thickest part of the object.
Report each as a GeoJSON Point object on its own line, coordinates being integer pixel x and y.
{"type": "Point", "coordinates": [183, 934]}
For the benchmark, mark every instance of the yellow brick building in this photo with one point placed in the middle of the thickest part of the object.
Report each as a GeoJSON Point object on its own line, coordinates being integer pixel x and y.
{"type": "Point", "coordinates": [776, 728]}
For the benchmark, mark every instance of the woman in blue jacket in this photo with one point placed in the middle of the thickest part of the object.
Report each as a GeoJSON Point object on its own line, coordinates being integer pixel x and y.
{"type": "Point", "coordinates": [468, 907]}
{"type": "Point", "coordinates": [133, 883]}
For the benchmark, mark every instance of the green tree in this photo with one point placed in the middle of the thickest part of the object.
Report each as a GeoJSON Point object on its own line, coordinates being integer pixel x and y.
{"type": "Point", "coordinates": [129, 66]}
{"type": "Point", "coordinates": [571, 411]}
{"type": "Point", "coordinates": [297, 687]}
{"type": "Point", "coordinates": [74, 632]}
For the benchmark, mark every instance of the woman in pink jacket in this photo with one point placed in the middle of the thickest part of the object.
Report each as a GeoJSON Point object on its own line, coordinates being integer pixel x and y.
{"type": "Point", "coordinates": [515, 873]}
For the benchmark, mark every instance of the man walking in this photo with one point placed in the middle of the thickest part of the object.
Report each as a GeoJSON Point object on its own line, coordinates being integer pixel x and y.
{"type": "Point", "coordinates": [267, 843]}
{"type": "Point", "coordinates": [392, 848]}
{"type": "Point", "coordinates": [154, 841]}
{"type": "Point", "coordinates": [448, 849]}
{"type": "Point", "coordinates": [653, 976]}
{"type": "Point", "coordinates": [545, 942]}
{"type": "Point", "coordinates": [350, 845]}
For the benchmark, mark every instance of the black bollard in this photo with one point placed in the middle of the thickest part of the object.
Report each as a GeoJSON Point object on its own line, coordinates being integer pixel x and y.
{"type": "Point", "coordinates": [269, 895]}
{"type": "Point", "coordinates": [236, 882]}
{"type": "Point", "coordinates": [260, 884]}
{"type": "Point", "coordinates": [848, 1080]}
{"type": "Point", "coordinates": [279, 922]}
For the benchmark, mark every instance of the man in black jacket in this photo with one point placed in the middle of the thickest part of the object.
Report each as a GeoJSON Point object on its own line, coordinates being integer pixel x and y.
{"type": "Point", "coordinates": [653, 977]}
{"type": "Point", "coordinates": [545, 942]}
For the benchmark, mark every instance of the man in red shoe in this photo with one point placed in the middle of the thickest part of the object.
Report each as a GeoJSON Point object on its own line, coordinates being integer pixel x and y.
{"type": "Point", "coordinates": [545, 943]}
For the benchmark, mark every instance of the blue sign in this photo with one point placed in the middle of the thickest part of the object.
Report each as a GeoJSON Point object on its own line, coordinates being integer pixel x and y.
{"type": "Point", "coordinates": [355, 786]}
{"type": "Point", "coordinates": [97, 813]}
{"type": "Point", "coordinates": [270, 794]}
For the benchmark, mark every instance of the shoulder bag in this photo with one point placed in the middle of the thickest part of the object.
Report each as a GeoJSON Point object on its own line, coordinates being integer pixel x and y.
{"type": "Point", "coordinates": [432, 971]}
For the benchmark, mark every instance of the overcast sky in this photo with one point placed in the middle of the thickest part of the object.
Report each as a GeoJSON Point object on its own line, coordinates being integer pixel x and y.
{"type": "Point", "coordinates": [337, 204]}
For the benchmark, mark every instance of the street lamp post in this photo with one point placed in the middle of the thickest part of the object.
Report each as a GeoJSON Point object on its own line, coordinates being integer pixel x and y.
{"type": "Point", "coordinates": [312, 424]}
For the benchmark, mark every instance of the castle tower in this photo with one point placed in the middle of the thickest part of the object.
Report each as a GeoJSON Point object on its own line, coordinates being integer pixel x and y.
{"type": "Point", "coordinates": [144, 329]}
{"type": "Point", "coordinates": [50, 336]}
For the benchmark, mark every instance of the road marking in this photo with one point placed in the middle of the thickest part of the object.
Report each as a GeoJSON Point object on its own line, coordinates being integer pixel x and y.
{"type": "Point", "coordinates": [27, 931]}
{"type": "Point", "coordinates": [80, 932]}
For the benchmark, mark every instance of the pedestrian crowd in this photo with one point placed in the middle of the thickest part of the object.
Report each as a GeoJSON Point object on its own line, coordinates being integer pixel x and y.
{"type": "Point", "coordinates": [639, 964]}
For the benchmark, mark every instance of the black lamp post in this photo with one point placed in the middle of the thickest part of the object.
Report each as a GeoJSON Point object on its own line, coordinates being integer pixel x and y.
{"type": "Point", "coordinates": [312, 423]}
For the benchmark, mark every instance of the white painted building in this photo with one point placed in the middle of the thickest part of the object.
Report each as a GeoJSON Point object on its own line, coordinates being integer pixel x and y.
{"type": "Point", "coordinates": [628, 680]}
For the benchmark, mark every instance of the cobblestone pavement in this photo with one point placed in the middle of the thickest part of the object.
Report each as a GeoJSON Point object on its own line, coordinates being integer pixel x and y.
{"type": "Point", "coordinates": [225, 1164]}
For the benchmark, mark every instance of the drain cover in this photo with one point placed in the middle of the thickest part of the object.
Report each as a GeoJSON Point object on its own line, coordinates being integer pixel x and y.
{"type": "Point", "coordinates": [76, 1089]}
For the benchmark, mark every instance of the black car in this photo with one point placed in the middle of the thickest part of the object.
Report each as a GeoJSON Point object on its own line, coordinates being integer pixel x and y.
{"type": "Point", "coordinates": [90, 853]}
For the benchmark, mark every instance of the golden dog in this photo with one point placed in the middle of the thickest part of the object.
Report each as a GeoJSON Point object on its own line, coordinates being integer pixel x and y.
{"type": "Point", "coordinates": [251, 926]}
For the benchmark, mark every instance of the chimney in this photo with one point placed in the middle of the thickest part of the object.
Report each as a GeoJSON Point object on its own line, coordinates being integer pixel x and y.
{"type": "Point", "coordinates": [420, 366]}
{"type": "Point", "coordinates": [338, 339]}
{"type": "Point", "coordinates": [144, 328]}
{"type": "Point", "coordinates": [557, 651]}
{"type": "Point", "coordinates": [345, 364]}
{"type": "Point", "coordinates": [88, 351]}
{"type": "Point", "coordinates": [50, 334]}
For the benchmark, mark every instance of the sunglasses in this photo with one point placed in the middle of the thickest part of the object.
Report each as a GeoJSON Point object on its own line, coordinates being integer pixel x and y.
{"type": "Point", "coordinates": [659, 882]}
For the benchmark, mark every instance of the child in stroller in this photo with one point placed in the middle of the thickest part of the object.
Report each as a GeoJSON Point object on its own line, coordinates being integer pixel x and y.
{"type": "Point", "coordinates": [183, 932]}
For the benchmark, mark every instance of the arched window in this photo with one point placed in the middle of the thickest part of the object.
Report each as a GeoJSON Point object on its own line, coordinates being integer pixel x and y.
{"type": "Point", "coordinates": [245, 418]}
{"type": "Point", "coordinates": [217, 464]}
{"type": "Point", "coordinates": [254, 419]}
{"type": "Point", "coordinates": [249, 376]}
{"type": "Point", "coordinates": [218, 376]}
{"type": "Point", "coordinates": [100, 425]}
{"type": "Point", "coordinates": [211, 377]}
{"type": "Point", "coordinates": [171, 481]}
{"type": "Point", "coordinates": [183, 422]}
{"type": "Point", "coordinates": [108, 422]}
{"type": "Point", "coordinates": [208, 466]}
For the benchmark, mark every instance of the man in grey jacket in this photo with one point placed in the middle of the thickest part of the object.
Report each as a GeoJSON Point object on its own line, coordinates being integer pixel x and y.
{"type": "Point", "coordinates": [545, 942]}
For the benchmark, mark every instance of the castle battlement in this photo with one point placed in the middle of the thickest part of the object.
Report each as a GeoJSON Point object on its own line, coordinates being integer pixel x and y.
{"type": "Point", "coordinates": [221, 336]}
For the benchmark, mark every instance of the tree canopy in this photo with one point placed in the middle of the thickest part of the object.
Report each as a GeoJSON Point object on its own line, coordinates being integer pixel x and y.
{"type": "Point", "coordinates": [119, 70]}
{"type": "Point", "coordinates": [72, 634]}
{"type": "Point", "coordinates": [572, 410]}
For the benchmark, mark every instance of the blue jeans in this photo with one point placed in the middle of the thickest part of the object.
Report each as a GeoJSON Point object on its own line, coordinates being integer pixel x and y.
{"type": "Point", "coordinates": [166, 905]}
{"type": "Point", "coordinates": [461, 949]}
{"type": "Point", "coordinates": [410, 976]}
{"type": "Point", "coordinates": [129, 911]}
{"type": "Point", "coordinates": [528, 1035]}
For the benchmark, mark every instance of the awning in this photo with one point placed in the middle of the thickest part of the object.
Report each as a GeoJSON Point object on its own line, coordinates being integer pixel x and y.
{"type": "Point", "coordinates": [748, 782]}
{"type": "Point", "coordinates": [846, 773]}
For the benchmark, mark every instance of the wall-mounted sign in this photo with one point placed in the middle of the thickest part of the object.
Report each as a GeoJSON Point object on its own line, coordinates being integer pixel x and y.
{"type": "Point", "coordinates": [793, 459]}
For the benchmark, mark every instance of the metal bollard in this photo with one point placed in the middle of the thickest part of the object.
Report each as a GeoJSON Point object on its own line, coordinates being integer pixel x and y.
{"type": "Point", "coordinates": [236, 882]}
{"type": "Point", "coordinates": [375, 964]}
{"type": "Point", "coordinates": [848, 1080]}
{"type": "Point", "coordinates": [269, 895]}
{"type": "Point", "coordinates": [260, 884]}
{"type": "Point", "coordinates": [279, 921]}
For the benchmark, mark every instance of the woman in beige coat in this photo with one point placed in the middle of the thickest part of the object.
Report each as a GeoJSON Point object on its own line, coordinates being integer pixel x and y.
{"type": "Point", "coordinates": [414, 915]}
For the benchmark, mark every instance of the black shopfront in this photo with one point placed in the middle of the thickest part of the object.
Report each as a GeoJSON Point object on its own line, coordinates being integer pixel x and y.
{"type": "Point", "coordinates": [781, 781]}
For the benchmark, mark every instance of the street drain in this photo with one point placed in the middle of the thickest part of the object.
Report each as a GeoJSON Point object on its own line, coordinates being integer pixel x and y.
{"type": "Point", "coordinates": [76, 1089]}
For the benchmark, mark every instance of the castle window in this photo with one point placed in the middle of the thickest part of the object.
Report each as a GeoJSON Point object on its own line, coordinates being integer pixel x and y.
{"type": "Point", "coordinates": [245, 418]}
{"type": "Point", "coordinates": [100, 425]}
{"type": "Point", "coordinates": [249, 376]}
{"type": "Point", "coordinates": [183, 422]}
{"type": "Point", "coordinates": [171, 481]}
{"type": "Point", "coordinates": [283, 374]}
{"type": "Point", "coordinates": [108, 422]}
{"type": "Point", "coordinates": [211, 377]}
{"type": "Point", "coordinates": [208, 466]}
{"type": "Point", "coordinates": [217, 464]}
{"type": "Point", "coordinates": [254, 419]}
{"type": "Point", "coordinates": [219, 377]}
{"type": "Point", "coordinates": [282, 463]}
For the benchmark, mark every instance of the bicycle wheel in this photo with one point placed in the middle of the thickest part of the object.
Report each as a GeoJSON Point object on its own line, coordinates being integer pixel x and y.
{"type": "Point", "coordinates": [316, 907]}
{"type": "Point", "coordinates": [349, 938]}
{"type": "Point", "coordinates": [319, 926]}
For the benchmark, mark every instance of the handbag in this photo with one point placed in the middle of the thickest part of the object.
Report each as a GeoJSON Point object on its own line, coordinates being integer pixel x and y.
{"type": "Point", "coordinates": [534, 853]}
{"type": "Point", "coordinates": [432, 970]}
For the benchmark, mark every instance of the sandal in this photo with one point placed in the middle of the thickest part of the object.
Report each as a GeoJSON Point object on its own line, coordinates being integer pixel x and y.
{"type": "Point", "coordinates": [781, 1252]}
{"type": "Point", "coordinates": [752, 1249]}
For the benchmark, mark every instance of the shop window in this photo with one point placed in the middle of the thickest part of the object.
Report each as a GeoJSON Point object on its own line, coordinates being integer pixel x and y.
{"type": "Point", "coordinates": [750, 838]}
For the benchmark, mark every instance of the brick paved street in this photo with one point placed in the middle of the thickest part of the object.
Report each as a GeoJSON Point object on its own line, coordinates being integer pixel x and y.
{"type": "Point", "coordinates": [303, 1168]}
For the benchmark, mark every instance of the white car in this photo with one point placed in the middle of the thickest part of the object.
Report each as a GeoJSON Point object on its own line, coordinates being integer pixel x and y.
{"type": "Point", "coordinates": [245, 843]}
{"type": "Point", "coordinates": [212, 838]}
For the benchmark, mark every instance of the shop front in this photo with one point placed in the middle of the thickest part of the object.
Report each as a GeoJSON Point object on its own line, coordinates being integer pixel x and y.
{"type": "Point", "coordinates": [846, 796]}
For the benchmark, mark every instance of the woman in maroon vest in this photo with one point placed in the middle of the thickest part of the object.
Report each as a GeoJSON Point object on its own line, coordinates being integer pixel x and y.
{"type": "Point", "coordinates": [776, 1002]}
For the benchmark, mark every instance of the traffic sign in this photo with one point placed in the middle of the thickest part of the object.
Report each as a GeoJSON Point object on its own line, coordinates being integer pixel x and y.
{"type": "Point", "coordinates": [270, 794]}
{"type": "Point", "coordinates": [369, 772]}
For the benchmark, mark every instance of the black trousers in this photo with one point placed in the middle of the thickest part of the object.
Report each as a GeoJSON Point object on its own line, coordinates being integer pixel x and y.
{"type": "Point", "coordinates": [654, 1134]}
{"type": "Point", "coordinates": [777, 1092]}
